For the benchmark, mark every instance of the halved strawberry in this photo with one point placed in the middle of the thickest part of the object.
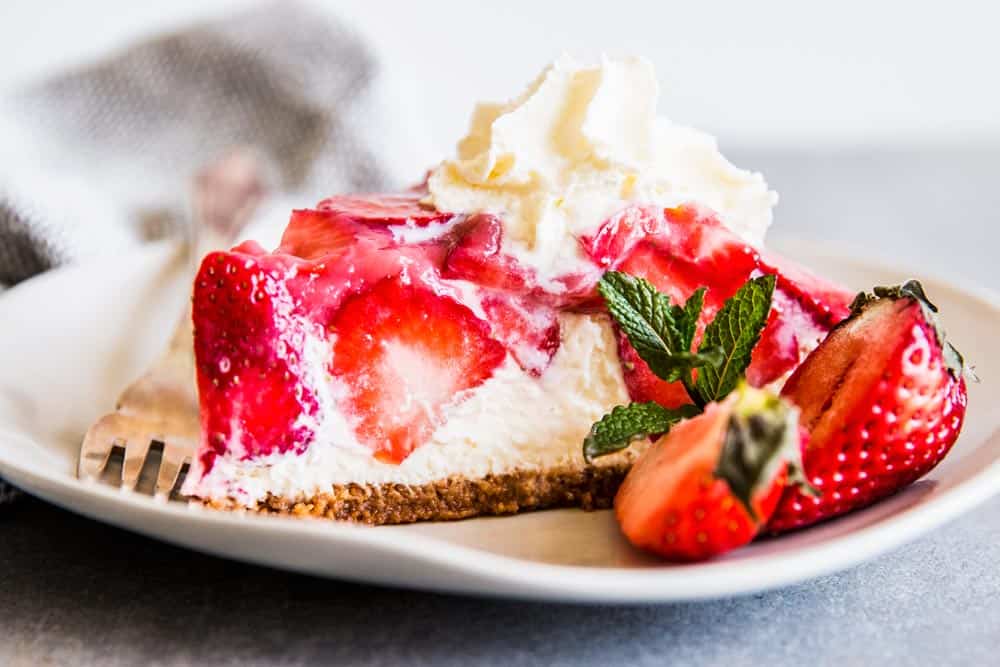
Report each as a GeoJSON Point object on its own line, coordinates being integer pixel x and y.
{"type": "Point", "coordinates": [402, 353]}
{"type": "Point", "coordinates": [385, 209]}
{"type": "Point", "coordinates": [246, 343]}
{"type": "Point", "coordinates": [688, 496]}
{"type": "Point", "coordinates": [883, 398]}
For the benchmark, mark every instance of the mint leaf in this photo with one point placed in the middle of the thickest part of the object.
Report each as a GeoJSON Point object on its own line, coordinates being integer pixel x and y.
{"type": "Point", "coordinates": [660, 333]}
{"type": "Point", "coordinates": [627, 423]}
{"type": "Point", "coordinates": [692, 312]}
{"type": "Point", "coordinates": [735, 330]}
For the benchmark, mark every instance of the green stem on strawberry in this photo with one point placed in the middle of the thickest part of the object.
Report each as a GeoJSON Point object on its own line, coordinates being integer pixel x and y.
{"type": "Point", "coordinates": [692, 392]}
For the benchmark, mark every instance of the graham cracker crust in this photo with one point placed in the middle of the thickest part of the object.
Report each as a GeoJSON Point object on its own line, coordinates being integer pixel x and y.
{"type": "Point", "coordinates": [589, 487]}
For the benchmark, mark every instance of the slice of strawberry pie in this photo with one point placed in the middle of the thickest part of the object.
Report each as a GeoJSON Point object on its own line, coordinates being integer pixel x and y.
{"type": "Point", "coordinates": [443, 353]}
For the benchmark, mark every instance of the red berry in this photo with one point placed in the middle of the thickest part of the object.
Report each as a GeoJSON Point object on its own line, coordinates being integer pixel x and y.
{"type": "Point", "coordinates": [403, 352]}
{"type": "Point", "coordinates": [245, 347]}
{"type": "Point", "coordinates": [528, 329]}
{"type": "Point", "coordinates": [316, 234]}
{"type": "Point", "coordinates": [479, 257]}
{"type": "Point", "coordinates": [681, 499]}
{"type": "Point", "coordinates": [620, 233]}
{"type": "Point", "coordinates": [385, 209]}
{"type": "Point", "coordinates": [883, 398]}
{"type": "Point", "coordinates": [643, 385]}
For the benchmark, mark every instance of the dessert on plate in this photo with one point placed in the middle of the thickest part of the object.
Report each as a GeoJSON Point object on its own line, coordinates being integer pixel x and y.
{"type": "Point", "coordinates": [453, 350]}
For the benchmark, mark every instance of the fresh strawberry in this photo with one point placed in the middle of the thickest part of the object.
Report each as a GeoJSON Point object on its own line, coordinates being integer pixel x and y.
{"type": "Point", "coordinates": [712, 482]}
{"type": "Point", "coordinates": [883, 398]}
{"type": "Point", "coordinates": [385, 209]}
{"type": "Point", "coordinates": [403, 352]}
{"type": "Point", "coordinates": [248, 370]}
{"type": "Point", "coordinates": [738, 445]}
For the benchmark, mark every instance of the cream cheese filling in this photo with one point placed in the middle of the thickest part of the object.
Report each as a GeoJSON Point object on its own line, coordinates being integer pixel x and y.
{"type": "Point", "coordinates": [511, 422]}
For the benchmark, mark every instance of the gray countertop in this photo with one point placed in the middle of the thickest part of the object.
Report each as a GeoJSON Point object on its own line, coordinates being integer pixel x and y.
{"type": "Point", "coordinates": [73, 591]}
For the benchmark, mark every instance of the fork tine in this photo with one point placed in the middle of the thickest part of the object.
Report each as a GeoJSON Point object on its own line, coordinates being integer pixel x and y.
{"type": "Point", "coordinates": [174, 457]}
{"type": "Point", "coordinates": [97, 445]}
{"type": "Point", "coordinates": [136, 450]}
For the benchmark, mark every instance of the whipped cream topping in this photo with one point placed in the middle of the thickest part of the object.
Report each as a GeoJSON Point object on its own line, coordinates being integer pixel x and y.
{"type": "Point", "coordinates": [579, 144]}
{"type": "Point", "coordinates": [513, 421]}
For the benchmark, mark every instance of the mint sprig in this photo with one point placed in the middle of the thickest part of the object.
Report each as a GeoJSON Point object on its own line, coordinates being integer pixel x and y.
{"type": "Point", "coordinates": [736, 330]}
{"type": "Point", "coordinates": [627, 423]}
{"type": "Point", "coordinates": [662, 334]}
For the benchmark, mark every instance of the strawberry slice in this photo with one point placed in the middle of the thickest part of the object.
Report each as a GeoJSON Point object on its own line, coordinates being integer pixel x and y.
{"type": "Point", "coordinates": [478, 257]}
{"type": "Point", "coordinates": [403, 352]}
{"type": "Point", "coordinates": [385, 209]}
{"type": "Point", "coordinates": [687, 496]}
{"type": "Point", "coordinates": [248, 370]}
{"type": "Point", "coordinates": [530, 331]}
{"type": "Point", "coordinates": [689, 236]}
{"type": "Point", "coordinates": [343, 256]}
{"type": "Point", "coordinates": [883, 398]}
{"type": "Point", "coordinates": [318, 235]}
{"type": "Point", "coordinates": [825, 302]}
{"type": "Point", "coordinates": [620, 233]}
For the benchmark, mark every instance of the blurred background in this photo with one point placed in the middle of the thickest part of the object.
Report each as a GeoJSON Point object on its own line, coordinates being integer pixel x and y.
{"type": "Point", "coordinates": [878, 123]}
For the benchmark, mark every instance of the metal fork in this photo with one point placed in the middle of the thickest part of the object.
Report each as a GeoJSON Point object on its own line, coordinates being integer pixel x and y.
{"type": "Point", "coordinates": [162, 405]}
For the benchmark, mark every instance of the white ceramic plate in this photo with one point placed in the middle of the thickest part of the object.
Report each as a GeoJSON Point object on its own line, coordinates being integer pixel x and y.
{"type": "Point", "coordinates": [69, 341]}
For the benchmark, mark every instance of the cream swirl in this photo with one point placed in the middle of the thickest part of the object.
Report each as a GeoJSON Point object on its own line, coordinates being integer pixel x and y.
{"type": "Point", "coordinates": [579, 144]}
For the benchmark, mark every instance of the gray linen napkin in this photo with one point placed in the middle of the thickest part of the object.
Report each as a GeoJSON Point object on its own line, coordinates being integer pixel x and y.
{"type": "Point", "coordinates": [101, 158]}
